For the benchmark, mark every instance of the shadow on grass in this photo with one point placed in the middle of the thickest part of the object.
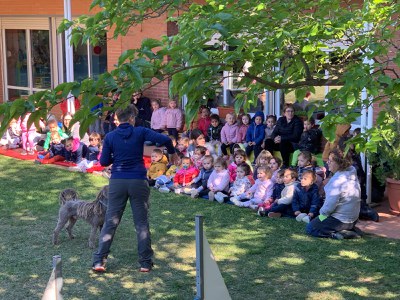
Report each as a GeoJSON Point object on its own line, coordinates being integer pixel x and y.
{"type": "Point", "coordinates": [259, 258]}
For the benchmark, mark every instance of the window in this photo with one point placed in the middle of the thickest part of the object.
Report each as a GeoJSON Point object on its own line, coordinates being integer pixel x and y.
{"type": "Point", "coordinates": [27, 62]}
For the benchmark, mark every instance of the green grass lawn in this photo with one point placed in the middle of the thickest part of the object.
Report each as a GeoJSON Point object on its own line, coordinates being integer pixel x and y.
{"type": "Point", "coordinates": [259, 258]}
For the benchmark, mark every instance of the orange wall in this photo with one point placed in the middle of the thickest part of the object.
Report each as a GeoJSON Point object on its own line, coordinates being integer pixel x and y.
{"type": "Point", "coordinates": [42, 7]}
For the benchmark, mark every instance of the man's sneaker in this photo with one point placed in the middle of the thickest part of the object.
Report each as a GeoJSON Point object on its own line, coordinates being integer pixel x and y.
{"type": "Point", "coordinates": [99, 267]}
{"type": "Point", "coordinates": [194, 193]}
{"type": "Point", "coordinates": [306, 219]}
{"type": "Point", "coordinates": [220, 197]}
{"type": "Point", "coordinates": [261, 211]}
{"type": "Point", "coordinates": [253, 206]}
{"type": "Point", "coordinates": [274, 214]}
{"type": "Point", "coordinates": [211, 196]}
{"type": "Point", "coordinates": [164, 189]}
{"type": "Point", "coordinates": [300, 217]}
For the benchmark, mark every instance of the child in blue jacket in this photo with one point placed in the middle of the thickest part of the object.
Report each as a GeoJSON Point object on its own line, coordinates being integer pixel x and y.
{"type": "Point", "coordinates": [306, 200]}
{"type": "Point", "coordinates": [255, 135]}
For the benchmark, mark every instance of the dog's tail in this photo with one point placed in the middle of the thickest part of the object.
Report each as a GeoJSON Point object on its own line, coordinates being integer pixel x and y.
{"type": "Point", "coordinates": [67, 195]}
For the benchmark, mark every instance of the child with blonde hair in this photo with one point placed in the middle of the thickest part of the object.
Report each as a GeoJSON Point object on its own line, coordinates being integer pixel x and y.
{"type": "Point", "coordinates": [260, 191]}
{"type": "Point", "coordinates": [198, 156]}
{"type": "Point", "coordinates": [173, 118]}
{"type": "Point", "coordinates": [239, 187]}
{"type": "Point", "coordinates": [261, 160]}
{"type": "Point", "coordinates": [157, 167]}
{"type": "Point", "coordinates": [12, 137]}
{"type": "Point", "coordinates": [52, 124]}
{"type": "Point", "coordinates": [219, 179]}
{"type": "Point", "coordinates": [56, 151]}
{"type": "Point", "coordinates": [229, 134]}
{"type": "Point", "coordinates": [158, 116]}
{"type": "Point", "coordinates": [276, 193]}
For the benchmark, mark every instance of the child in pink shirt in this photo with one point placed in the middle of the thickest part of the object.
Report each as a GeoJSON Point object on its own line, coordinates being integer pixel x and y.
{"type": "Point", "coordinates": [244, 123]}
{"type": "Point", "coordinates": [173, 119]}
{"type": "Point", "coordinates": [229, 134]}
{"type": "Point", "coordinates": [158, 116]}
{"type": "Point", "coordinates": [239, 157]}
{"type": "Point", "coordinates": [28, 134]}
{"type": "Point", "coordinates": [219, 179]}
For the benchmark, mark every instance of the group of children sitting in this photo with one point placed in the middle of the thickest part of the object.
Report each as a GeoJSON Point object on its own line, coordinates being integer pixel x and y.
{"type": "Point", "coordinates": [265, 186]}
{"type": "Point", "coordinates": [58, 145]}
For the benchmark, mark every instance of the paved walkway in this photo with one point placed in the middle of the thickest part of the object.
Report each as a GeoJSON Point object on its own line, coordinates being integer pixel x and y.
{"type": "Point", "coordinates": [388, 225]}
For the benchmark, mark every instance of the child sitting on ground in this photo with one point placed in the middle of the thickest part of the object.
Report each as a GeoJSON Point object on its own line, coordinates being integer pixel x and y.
{"type": "Point", "coordinates": [306, 200]}
{"type": "Point", "coordinates": [304, 163]}
{"type": "Point", "coordinates": [75, 150]}
{"type": "Point", "coordinates": [260, 191]}
{"type": "Point", "coordinates": [262, 160]}
{"type": "Point", "coordinates": [276, 194]}
{"type": "Point", "coordinates": [164, 183]}
{"type": "Point", "coordinates": [283, 205]}
{"type": "Point", "coordinates": [240, 185]}
{"type": "Point", "coordinates": [158, 166]}
{"type": "Point", "coordinates": [198, 156]}
{"type": "Point", "coordinates": [52, 124]}
{"type": "Point", "coordinates": [92, 158]}
{"type": "Point", "coordinates": [200, 188]}
{"type": "Point", "coordinates": [184, 177]}
{"type": "Point", "coordinates": [183, 145]}
{"type": "Point", "coordinates": [12, 137]}
{"type": "Point", "coordinates": [55, 153]}
{"type": "Point", "coordinates": [275, 164]}
{"type": "Point", "coordinates": [228, 134]}
{"type": "Point", "coordinates": [239, 157]}
{"type": "Point", "coordinates": [219, 179]}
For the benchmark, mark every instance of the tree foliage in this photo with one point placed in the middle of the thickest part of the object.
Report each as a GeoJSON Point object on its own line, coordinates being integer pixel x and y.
{"type": "Point", "coordinates": [287, 45]}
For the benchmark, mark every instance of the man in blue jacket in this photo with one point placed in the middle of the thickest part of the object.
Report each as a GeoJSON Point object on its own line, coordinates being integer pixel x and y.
{"type": "Point", "coordinates": [123, 148]}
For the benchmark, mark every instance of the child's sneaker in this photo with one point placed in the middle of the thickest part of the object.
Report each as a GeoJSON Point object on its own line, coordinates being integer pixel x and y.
{"type": "Point", "coordinates": [24, 152]}
{"type": "Point", "coordinates": [177, 191]}
{"type": "Point", "coordinates": [274, 214]}
{"type": "Point", "coordinates": [220, 197]}
{"type": "Point", "coordinates": [31, 152]}
{"type": "Point", "coordinates": [194, 193]}
{"type": "Point", "coordinates": [187, 191]}
{"type": "Point", "coordinates": [261, 211]}
{"type": "Point", "coordinates": [211, 196]}
{"type": "Point", "coordinates": [300, 217]}
{"type": "Point", "coordinates": [306, 219]}
{"type": "Point", "coordinates": [164, 189]}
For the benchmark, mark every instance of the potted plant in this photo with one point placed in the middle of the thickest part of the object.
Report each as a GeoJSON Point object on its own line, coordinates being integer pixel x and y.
{"type": "Point", "coordinates": [385, 158]}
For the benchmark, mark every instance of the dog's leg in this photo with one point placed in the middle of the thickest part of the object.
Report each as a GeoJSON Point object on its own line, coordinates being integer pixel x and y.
{"type": "Point", "coordinates": [62, 220]}
{"type": "Point", "coordinates": [71, 224]}
{"type": "Point", "coordinates": [92, 237]}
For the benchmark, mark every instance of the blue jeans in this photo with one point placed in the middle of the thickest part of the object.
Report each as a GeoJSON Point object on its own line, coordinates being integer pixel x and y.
{"type": "Point", "coordinates": [327, 227]}
{"type": "Point", "coordinates": [285, 209]}
{"type": "Point", "coordinates": [137, 191]}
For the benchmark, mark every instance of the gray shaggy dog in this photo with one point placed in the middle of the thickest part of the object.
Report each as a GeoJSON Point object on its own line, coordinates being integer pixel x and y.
{"type": "Point", "coordinates": [73, 209]}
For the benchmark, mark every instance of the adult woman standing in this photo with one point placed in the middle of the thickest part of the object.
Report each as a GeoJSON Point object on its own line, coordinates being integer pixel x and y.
{"type": "Point", "coordinates": [287, 131]}
{"type": "Point", "coordinates": [341, 208]}
{"type": "Point", "coordinates": [123, 148]}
